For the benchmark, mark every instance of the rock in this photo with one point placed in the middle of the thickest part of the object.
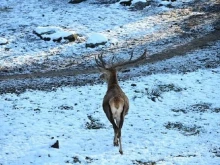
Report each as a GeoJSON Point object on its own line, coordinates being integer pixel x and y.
{"type": "Point", "coordinates": [133, 85]}
{"type": "Point", "coordinates": [126, 3]}
{"type": "Point", "coordinates": [105, 1]}
{"type": "Point", "coordinates": [166, 3]}
{"type": "Point", "coordinates": [72, 37]}
{"type": "Point", "coordinates": [3, 41]}
{"type": "Point", "coordinates": [139, 4]}
{"type": "Point", "coordinates": [55, 34]}
{"type": "Point", "coordinates": [76, 1]}
{"type": "Point", "coordinates": [55, 145]}
{"type": "Point", "coordinates": [95, 40]}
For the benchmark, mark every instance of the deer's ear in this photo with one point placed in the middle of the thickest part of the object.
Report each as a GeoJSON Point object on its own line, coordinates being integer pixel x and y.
{"type": "Point", "coordinates": [103, 76]}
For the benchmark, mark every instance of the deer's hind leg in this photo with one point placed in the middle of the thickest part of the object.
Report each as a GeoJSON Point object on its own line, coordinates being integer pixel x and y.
{"type": "Point", "coordinates": [120, 124]}
{"type": "Point", "coordinates": [119, 137]}
{"type": "Point", "coordinates": [111, 119]}
{"type": "Point", "coordinates": [115, 141]}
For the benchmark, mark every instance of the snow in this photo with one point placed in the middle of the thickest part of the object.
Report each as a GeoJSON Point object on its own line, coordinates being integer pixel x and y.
{"type": "Point", "coordinates": [151, 26]}
{"type": "Point", "coordinates": [50, 29]}
{"type": "Point", "coordinates": [53, 32]}
{"type": "Point", "coordinates": [165, 2]}
{"type": "Point", "coordinates": [135, 1]}
{"type": "Point", "coordinates": [3, 41]}
{"type": "Point", "coordinates": [32, 121]}
{"type": "Point", "coordinates": [95, 38]}
{"type": "Point", "coordinates": [173, 117]}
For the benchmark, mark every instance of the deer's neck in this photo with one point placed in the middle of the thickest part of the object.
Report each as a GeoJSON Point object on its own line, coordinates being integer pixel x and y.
{"type": "Point", "coordinates": [112, 80]}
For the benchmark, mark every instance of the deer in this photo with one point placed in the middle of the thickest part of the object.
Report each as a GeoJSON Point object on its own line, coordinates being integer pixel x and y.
{"type": "Point", "coordinates": [115, 102]}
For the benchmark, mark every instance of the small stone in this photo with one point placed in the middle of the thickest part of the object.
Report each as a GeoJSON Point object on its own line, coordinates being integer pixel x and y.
{"type": "Point", "coordinates": [95, 40]}
{"type": "Point", "coordinates": [140, 5]}
{"type": "Point", "coordinates": [3, 41]}
{"type": "Point", "coordinates": [56, 34]}
{"type": "Point", "coordinates": [55, 145]}
{"type": "Point", "coordinates": [133, 85]}
{"type": "Point", "coordinates": [126, 3]}
{"type": "Point", "coordinates": [76, 1]}
{"type": "Point", "coordinates": [72, 37]}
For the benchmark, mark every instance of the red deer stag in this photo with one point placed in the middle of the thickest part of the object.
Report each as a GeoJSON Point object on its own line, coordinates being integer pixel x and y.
{"type": "Point", "coordinates": [115, 103]}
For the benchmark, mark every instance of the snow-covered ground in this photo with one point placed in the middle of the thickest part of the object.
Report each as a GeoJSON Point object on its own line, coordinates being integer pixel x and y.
{"type": "Point", "coordinates": [173, 119]}
{"type": "Point", "coordinates": [154, 27]}
{"type": "Point", "coordinates": [174, 113]}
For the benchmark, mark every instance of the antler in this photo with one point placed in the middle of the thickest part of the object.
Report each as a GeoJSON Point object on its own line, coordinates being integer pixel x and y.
{"type": "Point", "coordinates": [102, 64]}
{"type": "Point", "coordinates": [99, 61]}
{"type": "Point", "coordinates": [130, 61]}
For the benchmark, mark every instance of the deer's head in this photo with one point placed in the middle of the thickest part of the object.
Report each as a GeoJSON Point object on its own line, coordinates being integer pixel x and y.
{"type": "Point", "coordinates": [109, 70]}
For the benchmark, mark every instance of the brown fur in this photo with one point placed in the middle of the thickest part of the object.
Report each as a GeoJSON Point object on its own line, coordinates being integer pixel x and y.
{"type": "Point", "coordinates": [116, 101]}
{"type": "Point", "coordinates": [115, 98]}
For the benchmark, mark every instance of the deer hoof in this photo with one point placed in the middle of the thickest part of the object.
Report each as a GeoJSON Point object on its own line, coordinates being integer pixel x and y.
{"type": "Point", "coordinates": [116, 143]}
{"type": "Point", "coordinates": [121, 152]}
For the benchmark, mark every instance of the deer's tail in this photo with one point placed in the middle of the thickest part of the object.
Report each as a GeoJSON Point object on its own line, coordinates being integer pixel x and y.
{"type": "Point", "coordinates": [117, 106]}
